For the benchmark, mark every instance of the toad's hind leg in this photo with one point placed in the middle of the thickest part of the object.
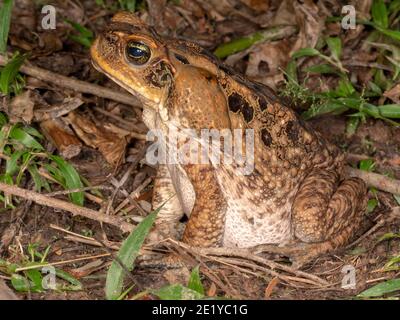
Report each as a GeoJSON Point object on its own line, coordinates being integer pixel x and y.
{"type": "Point", "coordinates": [326, 213]}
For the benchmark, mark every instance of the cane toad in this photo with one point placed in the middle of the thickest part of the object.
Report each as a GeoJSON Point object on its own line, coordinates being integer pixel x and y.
{"type": "Point", "coordinates": [295, 197]}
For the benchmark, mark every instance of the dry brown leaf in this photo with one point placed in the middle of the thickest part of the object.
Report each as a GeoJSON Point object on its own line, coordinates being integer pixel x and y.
{"type": "Point", "coordinates": [211, 292]}
{"type": "Point", "coordinates": [62, 137]}
{"type": "Point", "coordinates": [311, 23]}
{"type": "Point", "coordinates": [284, 14]}
{"type": "Point", "coordinates": [20, 108]}
{"type": "Point", "coordinates": [267, 61]}
{"type": "Point", "coordinates": [393, 93]}
{"type": "Point", "coordinates": [46, 112]}
{"type": "Point", "coordinates": [111, 146]}
{"type": "Point", "coordinates": [257, 5]}
{"type": "Point", "coordinates": [49, 42]}
{"type": "Point", "coordinates": [270, 288]}
{"type": "Point", "coordinates": [180, 275]}
{"type": "Point", "coordinates": [87, 269]}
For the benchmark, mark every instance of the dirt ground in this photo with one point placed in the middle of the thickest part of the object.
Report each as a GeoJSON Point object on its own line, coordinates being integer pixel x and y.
{"type": "Point", "coordinates": [112, 157]}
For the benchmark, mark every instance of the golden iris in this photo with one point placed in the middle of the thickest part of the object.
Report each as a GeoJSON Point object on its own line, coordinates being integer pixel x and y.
{"type": "Point", "coordinates": [138, 53]}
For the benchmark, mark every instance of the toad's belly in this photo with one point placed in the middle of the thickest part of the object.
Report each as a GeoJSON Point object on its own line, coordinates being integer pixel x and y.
{"type": "Point", "coordinates": [255, 215]}
{"type": "Point", "coordinates": [247, 227]}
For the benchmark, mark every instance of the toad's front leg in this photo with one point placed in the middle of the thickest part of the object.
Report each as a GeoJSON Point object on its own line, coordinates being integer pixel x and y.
{"type": "Point", "coordinates": [205, 227]}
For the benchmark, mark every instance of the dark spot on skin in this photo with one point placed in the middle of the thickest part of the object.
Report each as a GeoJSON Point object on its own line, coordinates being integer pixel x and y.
{"type": "Point", "coordinates": [248, 113]}
{"type": "Point", "coordinates": [182, 59]}
{"type": "Point", "coordinates": [266, 137]}
{"type": "Point", "coordinates": [159, 75]}
{"type": "Point", "coordinates": [262, 102]}
{"type": "Point", "coordinates": [292, 132]}
{"type": "Point", "coordinates": [251, 220]}
{"type": "Point", "coordinates": [235, 102]}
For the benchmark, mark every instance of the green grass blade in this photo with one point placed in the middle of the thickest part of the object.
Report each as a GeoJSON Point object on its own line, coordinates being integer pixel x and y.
{"type": "Point", "coordinates": [127, 255]}
{"type": "Point", "coordinates": [75, 285]}
{"type": "Point", "coordinates": [3, 119]}
{"type": "Point", "coordinates": [379, 13]}
{"type": "Point", "coordinates": [324, 108]}
{"type": "Point", "coordinates": [195, 281]}
{"type": "Point", "coordinates": [367, 165]}
{"type": "Point", "coordinates": [71, 177]}
{"type": "Point", "coordinates": [37, 179]}
{"type": "Point", "coordinates": [33, 132]}
{"type": "Point", "coordinates": [9, 73]}
{"type": "Point", "coordinates": [237, 45]}
{"type": "Point", "coordinates": [243, 43]}
{"type": "Point", "coordinates": [390, 33]}
{"type": "Point", "coordinates": [20, 135]}
{"type": "Point", "coordinates": [321, 68]}
{"type": "Point", "coordinates": [84, 32]}
{"type": "Point", "coordinates": [305, 52]}
{"type": "Point", "coordinates": [388, 236]}
{"type": "Point", "coordinates": [390, 111]}
{"type": "Point", "coordinates": [335, 45]}
{"type": "Point", "coordinates": [86, 42]}
{"type": "Point", "coordinates": [12, 163]}
{"type": "Point", "coordinates": [381, 289]}
{"type": "Point", "coordinates": [351, 125]}
{"type": "Point", "coordinates": [36, 277]}
{"type": "Point", "coordinates": [128, 5]}
{"type": "Point", "coordinates": [177, 292]}
{"type": "Point", "coordinates": [85, 36]}
{"type": "Point", "coordinates": [5, 19]}
{"type": "Point", "coordinates": [20, 283]}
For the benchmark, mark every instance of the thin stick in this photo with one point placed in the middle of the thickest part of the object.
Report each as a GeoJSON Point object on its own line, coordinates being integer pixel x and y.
{"type": "Point", "coordinates": [83, 239]}
{"type": "Point", "coordinates": [74, 84]}
{"type": "Point", "coordinates": [134, 194]}
{"type": "Point", "coordinates": [377, 180]}
{"type": "Point", "coordinates": [62, 262]}
{"type": "Point", "coordinates": [63, 205]}
{"type": "Point", "coordinates": [64, 192]}
{"type": "Point", "coordinates": [245, 254]}
{"type": "Point", "coordinates": [394, 215]}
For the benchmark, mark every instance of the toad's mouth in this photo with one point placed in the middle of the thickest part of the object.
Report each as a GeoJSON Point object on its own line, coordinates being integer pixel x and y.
{"type": "Point", "coordinates": [144, 100]}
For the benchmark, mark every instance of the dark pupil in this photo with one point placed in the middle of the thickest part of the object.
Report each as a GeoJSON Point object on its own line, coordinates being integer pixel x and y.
{"type": "Point", "coordinates": [136, 52]}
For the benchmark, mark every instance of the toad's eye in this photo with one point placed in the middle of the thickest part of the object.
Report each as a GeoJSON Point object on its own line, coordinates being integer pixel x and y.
{"type": "Point", "coordinates": [138, 53]}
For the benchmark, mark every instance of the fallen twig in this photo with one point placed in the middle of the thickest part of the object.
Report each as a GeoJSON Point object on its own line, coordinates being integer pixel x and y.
{"type": "Point", "coordinates": [40, 265]}
{"type": "Point", "coordinates": [63, 205]}
{"type": "Point", "coordinates": [376, 180]}
{"type": "Point", "coordinates": [74, 84]}
{"type": "Point", "coordinates": [83, 239]}
{"type": "Point", "coordinates": [385, 219]}
{"type": "Point", "coordinates": [247, 255]}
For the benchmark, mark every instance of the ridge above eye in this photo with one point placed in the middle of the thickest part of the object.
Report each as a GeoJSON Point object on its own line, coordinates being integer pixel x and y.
{"type": "Point", "coordinates": [137, 52]}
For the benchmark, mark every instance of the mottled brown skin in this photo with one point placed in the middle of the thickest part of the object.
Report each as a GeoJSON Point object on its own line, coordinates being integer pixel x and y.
{"type": "Point", "coordinates": [296, 198]}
